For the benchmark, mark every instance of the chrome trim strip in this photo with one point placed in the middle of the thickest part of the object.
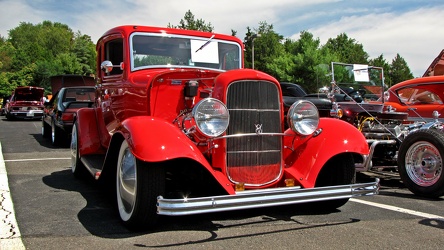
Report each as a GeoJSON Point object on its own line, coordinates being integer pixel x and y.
{"type": "Point", "coordinates": [366, 166]}
{"type": "Point", "coordinates": [263, 198]}
{"type": "Point", "coordinates": [252, 134]}
{"type": "Point", "coordinates": [255, 151]}
{"type": "Point", "coordinates": [259, 110]}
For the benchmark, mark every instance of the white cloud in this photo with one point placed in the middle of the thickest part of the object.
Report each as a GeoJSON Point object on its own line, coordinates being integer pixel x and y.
{"type": "Point", "coordinates": [414, 35]}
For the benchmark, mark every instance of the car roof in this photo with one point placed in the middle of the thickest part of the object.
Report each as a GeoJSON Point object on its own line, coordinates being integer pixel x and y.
{"type": "Point", "coordinates": [419, 80]}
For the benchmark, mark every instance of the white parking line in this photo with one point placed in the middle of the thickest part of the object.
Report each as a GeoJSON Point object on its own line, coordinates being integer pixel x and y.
{"type": "Point", "coordinates": [10, 237]}
{"type": "Point", "coordinates": [39, 159]}
{"type": "Point", "coordinates": [398, 209]}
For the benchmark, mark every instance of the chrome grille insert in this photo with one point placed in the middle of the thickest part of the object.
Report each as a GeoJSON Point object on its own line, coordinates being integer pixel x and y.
{"type": "Point", "coordinates": [254, 108]}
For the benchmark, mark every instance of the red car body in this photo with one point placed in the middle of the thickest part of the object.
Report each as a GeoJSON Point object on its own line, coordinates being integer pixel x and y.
{"type": "Point", "coordinates": [25, 103]}
{"type": "Point", "coordinates": [147, 132]}
{"type": "Point", "coordinates": [418, 97]}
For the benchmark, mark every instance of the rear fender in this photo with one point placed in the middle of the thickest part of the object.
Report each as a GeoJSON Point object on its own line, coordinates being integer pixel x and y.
{"type": "Point", "coordinates": [304, 158]}
{"type": "Point", "coordinates": [153, 139]}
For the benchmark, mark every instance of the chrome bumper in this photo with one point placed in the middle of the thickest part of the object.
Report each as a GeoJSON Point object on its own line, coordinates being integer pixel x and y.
{"type": "Point", "coordinates": [263, 198]}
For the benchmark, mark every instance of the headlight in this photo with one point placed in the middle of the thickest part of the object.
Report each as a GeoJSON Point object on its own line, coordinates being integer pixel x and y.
{"type": "Point", "coordinates": [211, 117]}
{"type": "Point", "coordinates": [303, 117]}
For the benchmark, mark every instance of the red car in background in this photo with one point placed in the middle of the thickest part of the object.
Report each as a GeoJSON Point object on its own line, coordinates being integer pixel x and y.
{"type": "Point", "coordinates": [418, 97]}
{"type": "Point", "coordinates": [25, 103]}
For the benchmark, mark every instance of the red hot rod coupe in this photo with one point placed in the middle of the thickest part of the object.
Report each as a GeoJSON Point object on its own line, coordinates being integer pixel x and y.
{"type": "Point", "coordinates": [179, 127]}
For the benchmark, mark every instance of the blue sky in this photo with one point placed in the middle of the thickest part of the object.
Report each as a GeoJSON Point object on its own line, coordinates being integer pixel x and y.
{"type": "Point", "coordinates": [411, 28]}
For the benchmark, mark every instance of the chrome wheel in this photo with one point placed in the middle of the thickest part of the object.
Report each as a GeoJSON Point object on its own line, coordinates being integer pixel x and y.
{"type": "Point", "coordinates": [73, 147]}
{"type": "Point", "coordinates": [420, 158]}
{"type": "Point", "coordinates": [126, 182]}
{"type": "Point", "coordinates": [77, 167]}
{"type": "Point", "coordinates": [423, 163]}
{"type": "Point", "coordinates": [53, 133]}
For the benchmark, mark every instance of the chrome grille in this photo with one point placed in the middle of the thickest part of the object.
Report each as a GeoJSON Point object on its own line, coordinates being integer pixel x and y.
{"type": "Point", "coordinates": [254, 107]}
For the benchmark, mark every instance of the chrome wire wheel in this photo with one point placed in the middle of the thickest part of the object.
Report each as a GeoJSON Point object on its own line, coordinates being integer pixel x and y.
{"type": "Point", "coordinates": [423, 163]}
{"type": "Point", "coordinates": [126, 182]}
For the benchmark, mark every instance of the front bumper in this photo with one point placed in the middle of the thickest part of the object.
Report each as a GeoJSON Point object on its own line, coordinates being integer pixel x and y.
{"type": "Point", "coordinates": [263, 198]}
{"type": "Point", "coordinates": [27, 114]}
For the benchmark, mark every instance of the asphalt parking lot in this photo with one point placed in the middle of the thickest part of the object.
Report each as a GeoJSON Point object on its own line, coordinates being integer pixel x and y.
{"type": "Point", "coordinates": [54, 210]}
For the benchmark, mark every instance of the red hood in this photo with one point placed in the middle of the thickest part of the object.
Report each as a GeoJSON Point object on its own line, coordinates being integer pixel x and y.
{"type": "Point", "coordinates": [64, 81]}
{"type": "Point", "coordinates": [28, 95]}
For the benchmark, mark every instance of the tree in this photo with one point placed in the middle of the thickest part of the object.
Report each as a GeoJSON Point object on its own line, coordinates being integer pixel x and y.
{"type": "Point", "coordinates": [33, 53]}
{"type": "Point", "coordinates": [381, 62]}
{"type": "Point", "coordinates": [267, 46]}
{"type": "Point", "coordinates": [189, 23]}
{"type": "Point", "coordinates": [399, 70]}
{"type": "Point", "coordinates": [7, 52]}
{"type": "Point", "coordinates": [304, 62]}
{"type": "Point", "coordinates": [85, 53]}
{"type": "Point", "coordinates": [347, 49]}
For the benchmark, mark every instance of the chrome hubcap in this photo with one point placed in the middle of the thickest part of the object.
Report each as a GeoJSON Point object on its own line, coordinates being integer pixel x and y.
{"type": "Point", "coordinates": [423, 163]}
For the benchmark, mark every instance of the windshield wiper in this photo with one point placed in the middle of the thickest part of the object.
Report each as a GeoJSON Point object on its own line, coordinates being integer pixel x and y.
{"type": "Point", "coordinates": [205, 44]}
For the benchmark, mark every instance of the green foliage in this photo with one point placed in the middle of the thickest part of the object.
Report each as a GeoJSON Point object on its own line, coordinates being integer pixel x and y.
{"type": "Point", "coordinates": [399, 70]}
{"type": "Point", "coordinates": [9, 81]}
{"type": "Point", "coordinates": [347, 49]}
{"type": "Point", "coordinates": [190, 23]}
{"type": "Point", "coordinates": [381, 62]}
{"type": "Point", "coordinates": [33, 53]}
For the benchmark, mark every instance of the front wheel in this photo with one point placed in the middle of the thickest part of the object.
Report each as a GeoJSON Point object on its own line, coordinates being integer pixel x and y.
{"type": "Point", "coordinates": [420, 162]}
{"type": "Point", "coordinates": [138, 184]}
{"type": "Point", "coordinates": [77, 167]}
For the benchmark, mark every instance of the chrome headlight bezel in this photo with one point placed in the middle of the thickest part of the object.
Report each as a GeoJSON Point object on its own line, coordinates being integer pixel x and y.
{"type": "Point", "coordinates": [211, 117]}
{"type": "Point", "coordinates": [303, 117]}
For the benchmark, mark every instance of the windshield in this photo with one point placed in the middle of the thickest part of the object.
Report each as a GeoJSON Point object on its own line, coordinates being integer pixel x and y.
{"type": "Point", "coordinates": [157, 50]}
{"type": "Point", "coordinates": [366, 80]}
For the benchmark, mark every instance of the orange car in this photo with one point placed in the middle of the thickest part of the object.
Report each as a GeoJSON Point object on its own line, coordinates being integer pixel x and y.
{"type": "Point", "coordinates": [418, 97]}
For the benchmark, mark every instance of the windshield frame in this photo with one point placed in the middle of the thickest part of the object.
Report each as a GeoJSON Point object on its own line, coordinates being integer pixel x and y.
{"type": "Point", "coordinates": [207, 44]}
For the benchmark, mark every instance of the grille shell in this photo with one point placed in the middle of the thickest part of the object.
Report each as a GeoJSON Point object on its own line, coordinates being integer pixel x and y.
{"type": "Point", "coordinates": [254, 159]}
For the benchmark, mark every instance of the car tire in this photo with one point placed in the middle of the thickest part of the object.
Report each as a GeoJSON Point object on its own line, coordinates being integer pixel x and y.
{"type": "Point", "coordinates": [57, 135]}
{"type": "Point", "coordinates": [138, 185]}
{"type": "Point", "coordinates": [9, 117]}
{"type": "Point", "coordinates": [46, 129]}
{"type": "Point", "coordinates": [420, 162]}
{"type": "Point", "coordinates": [77, 167]}
{"type": "Point", "coordinates": [339, 170]}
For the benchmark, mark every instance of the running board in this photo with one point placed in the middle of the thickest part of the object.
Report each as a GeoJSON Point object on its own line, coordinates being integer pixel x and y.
{"type": "Point", "coordinates": [263, 198]}
{"type": "Point", "coordinates": [93, 164]}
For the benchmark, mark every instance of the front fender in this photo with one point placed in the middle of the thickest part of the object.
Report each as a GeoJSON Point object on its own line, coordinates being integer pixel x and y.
{"type": "Point", "coordinates": [153, 139]}
{"type": "Point", "coordinates": [304, 158]}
